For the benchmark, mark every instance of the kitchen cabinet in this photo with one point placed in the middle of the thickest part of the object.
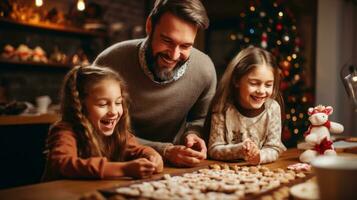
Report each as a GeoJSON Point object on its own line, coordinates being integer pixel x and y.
{"type": "Point", "coordinates": [25, 79]}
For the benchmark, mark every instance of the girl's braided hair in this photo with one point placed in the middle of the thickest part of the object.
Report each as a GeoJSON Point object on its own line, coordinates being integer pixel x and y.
{"type": "Point", "coordinates": [75, 89]}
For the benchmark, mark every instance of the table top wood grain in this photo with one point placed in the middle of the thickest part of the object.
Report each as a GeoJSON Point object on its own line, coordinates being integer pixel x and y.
{"type": "Point", "coordinates": [74, 189]}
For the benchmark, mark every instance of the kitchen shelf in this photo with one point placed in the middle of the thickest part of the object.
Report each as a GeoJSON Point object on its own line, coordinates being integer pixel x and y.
{"type": "Point", "coordinates": [7, 120]}
{"type": "Point", "coordinates": [15, 63]}
{"type": "Point", "coordinates": [51, 27]}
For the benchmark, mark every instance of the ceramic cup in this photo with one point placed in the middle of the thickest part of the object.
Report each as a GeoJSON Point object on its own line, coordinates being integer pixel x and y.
{"type": "Point", "coordinates": [42, 104]}
{"type": "Point", "coordinates": [336, 177]}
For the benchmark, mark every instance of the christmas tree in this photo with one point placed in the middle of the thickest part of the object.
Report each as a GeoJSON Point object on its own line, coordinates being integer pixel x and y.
{"type": "Point", "coordinates": [271, 25]}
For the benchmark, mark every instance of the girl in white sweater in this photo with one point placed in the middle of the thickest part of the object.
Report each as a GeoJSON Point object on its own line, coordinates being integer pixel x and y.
{"type": "Point", "coordinates": [246, 115]}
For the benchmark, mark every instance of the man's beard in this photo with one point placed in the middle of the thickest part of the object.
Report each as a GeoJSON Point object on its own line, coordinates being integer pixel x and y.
{"type": "Point", "coordinates": [161, 73]}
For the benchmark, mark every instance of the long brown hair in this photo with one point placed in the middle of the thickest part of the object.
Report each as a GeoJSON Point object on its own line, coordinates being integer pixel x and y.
{"type": "Point", "coordinates": [76, 85]}
{"type": "Point", "coordinates": [243, 63]}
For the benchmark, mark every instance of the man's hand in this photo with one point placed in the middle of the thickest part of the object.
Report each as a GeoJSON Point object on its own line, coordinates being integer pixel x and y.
{"type": "Point", "coordinates": [182, 156]}
{"type": "Point", "coordinates": [196, 143]}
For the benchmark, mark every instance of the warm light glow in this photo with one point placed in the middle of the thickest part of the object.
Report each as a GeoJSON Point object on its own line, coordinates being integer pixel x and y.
{"type": "Point", "coordinates": [296, 131]}
{"type": "Point", "coordinates": [280, 14]}
{"type": "Point", "coordinates": [286, 64]}
{"type": "Point", "coordinates": [38, 3]}
{"type": "Point", "coordinates": [278, 42]}
{"type": "Point", "coordinates": [286, 38]}
{"type": "Point", "coordinates": [288, 58]}
{"type": "Point", "coordinates": [292, 110]}
{"type": "Point", "coordinates": [301, 115]}
{"type": "Point", "coordinates": [354, 78]}
{"type": "Point", "coordinates": [233, 37]}
{"type": "Point", "coordinates": [294, 118]}
{"type": "Point", "coordinates": [304, 99]}
{"type": "Point", "coordinates": [81, 5]}
{"type": "Point", "coordinates": [252, 8]}
{"type": "Point", "coordinates": [294, 56]}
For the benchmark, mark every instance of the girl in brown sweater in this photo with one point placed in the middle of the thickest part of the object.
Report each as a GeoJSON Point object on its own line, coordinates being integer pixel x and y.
{"type": "Point", "coordinates": [93, 137]}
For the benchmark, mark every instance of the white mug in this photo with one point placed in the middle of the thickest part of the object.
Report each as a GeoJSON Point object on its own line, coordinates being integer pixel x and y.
{"type": "Point", "coordinates": [336, 177]}
{"type": "Point", "coordinates": [42, 104]}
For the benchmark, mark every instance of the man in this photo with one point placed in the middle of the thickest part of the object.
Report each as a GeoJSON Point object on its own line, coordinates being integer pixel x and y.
{"type": "Point", "coordinates": [170, 83]}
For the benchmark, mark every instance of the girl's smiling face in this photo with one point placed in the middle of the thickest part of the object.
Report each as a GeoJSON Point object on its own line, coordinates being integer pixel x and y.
{"type": "Point", "coordinates": [104, 106]}
{"type": "Point", "coordinates": [255, 87]}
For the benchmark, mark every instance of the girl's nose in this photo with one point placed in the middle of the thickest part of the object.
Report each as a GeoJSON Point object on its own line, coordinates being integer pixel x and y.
{"type": "Point", "coordinates": [112, 111]}
{"type": "Point", "coordinates": [260, 90]}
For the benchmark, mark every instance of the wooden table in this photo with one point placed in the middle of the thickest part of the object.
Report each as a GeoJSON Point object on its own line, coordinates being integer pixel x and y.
{"type": "Point", "coordinates": [73, 189]}
{"type": "Point", "coordinates": [28, 119]}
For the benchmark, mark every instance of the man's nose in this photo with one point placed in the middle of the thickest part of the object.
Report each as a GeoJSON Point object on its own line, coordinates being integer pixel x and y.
{"type": "Point", "coordinates": [175, 52]}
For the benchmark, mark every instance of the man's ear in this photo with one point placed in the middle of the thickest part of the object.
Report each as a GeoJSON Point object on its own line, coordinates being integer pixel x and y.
{"type": "Point", "coordinates": [148, 26]}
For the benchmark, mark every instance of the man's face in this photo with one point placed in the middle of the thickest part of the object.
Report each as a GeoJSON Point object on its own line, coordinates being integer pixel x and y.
{"type": "Point", "coordinates": [171, 41]}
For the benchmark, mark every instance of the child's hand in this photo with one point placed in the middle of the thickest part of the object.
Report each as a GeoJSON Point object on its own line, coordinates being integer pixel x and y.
{"type": "Point", "coordinates": [139, 168]}
{"type": "Point", "coordinates": [251, 152]}
{"type": "Point", "coordinates": [158, 162]}
{"type": "Point", "coordinates": [254, 158]}
{"type": "Point", "coordinates": [248, 146]}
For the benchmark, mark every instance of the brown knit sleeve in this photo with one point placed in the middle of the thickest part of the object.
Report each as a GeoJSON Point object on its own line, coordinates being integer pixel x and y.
{"type": "Point", "coordinates": [135, 150]}
{"type": "Point", "coordinates": [63, 160]}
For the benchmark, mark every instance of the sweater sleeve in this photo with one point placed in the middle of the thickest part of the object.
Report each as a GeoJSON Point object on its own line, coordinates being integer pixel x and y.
{"type": "Point", "coordinates": [273, 146]}
{"type": "Point", "coordinates": [135, 150]}
{"type": "Point", "coordinates": [63, 160]}
{"type": "Point", "coordinates": [158, 146]}
{"type": "Point", "coordinates": [218, 146]}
